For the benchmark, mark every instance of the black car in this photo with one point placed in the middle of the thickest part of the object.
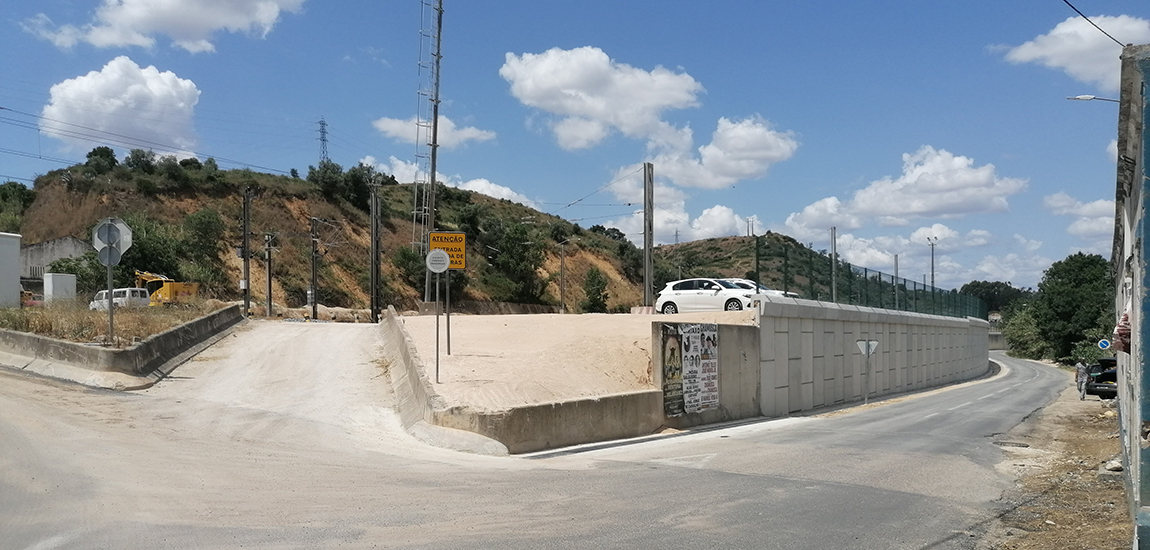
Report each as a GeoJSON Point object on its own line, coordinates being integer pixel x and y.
{"type": "Point", "coordinates": [1103, 379]}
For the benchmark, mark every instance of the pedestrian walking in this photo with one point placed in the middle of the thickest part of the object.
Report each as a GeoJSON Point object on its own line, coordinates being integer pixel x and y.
{"type": "Point", "coordinates": [1082, 375]}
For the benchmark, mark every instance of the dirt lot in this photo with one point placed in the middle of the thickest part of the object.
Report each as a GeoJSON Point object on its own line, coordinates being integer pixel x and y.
{"type": "Point", "coordinates": [1062, 502]}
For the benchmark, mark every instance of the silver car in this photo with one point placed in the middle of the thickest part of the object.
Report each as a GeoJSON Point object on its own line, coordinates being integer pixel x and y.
{"type": "Point", "coordinates": [760, 288]}
{"type": "Point", "coordinates": [703, 294]}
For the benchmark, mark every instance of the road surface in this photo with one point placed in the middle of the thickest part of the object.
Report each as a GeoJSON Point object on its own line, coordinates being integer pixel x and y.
{"type": "Point", "coordinates": [281, 436]}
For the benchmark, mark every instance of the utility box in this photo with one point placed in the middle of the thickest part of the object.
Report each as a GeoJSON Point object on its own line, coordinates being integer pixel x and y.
{"type": "Point", "coordinates": [59, 286]}
{"type": "Point", "coordinates": [9, 270]}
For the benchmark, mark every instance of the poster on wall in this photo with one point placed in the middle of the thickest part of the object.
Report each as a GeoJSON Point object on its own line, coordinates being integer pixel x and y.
{"type": "Point", "coordinates": [708, 367]}
{"type": "Point", "coordinates": [672, 371]}
{"type": "Point", "coordinates": [690, 368]}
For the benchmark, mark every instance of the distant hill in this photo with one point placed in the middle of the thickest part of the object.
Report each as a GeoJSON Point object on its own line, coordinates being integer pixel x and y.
{"type": "Point", "coordinates": [186, 216]}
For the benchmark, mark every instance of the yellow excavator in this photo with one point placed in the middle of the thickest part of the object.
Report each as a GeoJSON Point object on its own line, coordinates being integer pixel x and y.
{"type": "Point", "coordinates": [165, 291]}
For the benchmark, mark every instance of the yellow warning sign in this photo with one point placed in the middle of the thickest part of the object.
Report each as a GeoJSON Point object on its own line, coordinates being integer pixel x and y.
{"type": "Point", "coordinates": [454, 243]}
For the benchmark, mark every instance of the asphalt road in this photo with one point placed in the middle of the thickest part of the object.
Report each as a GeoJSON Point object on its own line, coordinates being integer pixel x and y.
{"type": "Point", "coordinates": [282, 437]}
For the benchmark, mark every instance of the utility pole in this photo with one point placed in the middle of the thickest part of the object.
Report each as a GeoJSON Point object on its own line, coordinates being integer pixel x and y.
{"type": "Point", "coordinates": [758, 275]}
{"type": "Point", "coordinates": [932, 241]}
{"type": "Point", "coordinates": [374, 252]}
{"type": "Point", "coordinates": [834, 266]}
{"type": "Point", "coordinates": [268, 257]}
{"type": "Point", "coordinates": [313, 291]}
{"type": "Point", "coordinates": [245, 284]}
{"type": "Point", "coordinates": [896, 281]}
{"type": "Point", "coordinates": [648, 233]}
{"type": "Point", "coordinates": [437, 59]}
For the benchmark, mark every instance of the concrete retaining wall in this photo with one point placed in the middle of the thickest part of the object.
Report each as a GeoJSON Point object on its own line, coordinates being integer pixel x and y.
{"type": "Point", "coordinates": [810, 359]}
{"type": "Point", "coordinates": [138, 360]}
{"type": "Point", "coordinates": [802, 357]}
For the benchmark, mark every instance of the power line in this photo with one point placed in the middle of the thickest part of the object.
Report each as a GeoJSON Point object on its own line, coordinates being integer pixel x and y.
{"type": "Point", "coordinates": [1092, 23]}
{"type": "Point", "coordinates": [102, 136]}
{"type": "Point", "coordinates": [16, 178]}
{"type": "Point", "coordinates": [617, 180]}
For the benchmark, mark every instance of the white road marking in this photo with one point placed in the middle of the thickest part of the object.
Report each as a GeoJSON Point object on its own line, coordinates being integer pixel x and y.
{"type": "Point", "coordinates": [960, 406]}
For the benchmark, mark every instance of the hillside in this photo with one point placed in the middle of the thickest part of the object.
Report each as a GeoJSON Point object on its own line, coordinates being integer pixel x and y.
{"type": "Point", "coordinates": [187, 225]}
{"type": "Point", "coordinates": [186, 216]}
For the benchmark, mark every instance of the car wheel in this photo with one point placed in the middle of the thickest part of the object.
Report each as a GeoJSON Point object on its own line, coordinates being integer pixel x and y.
{"type": "Point", "coordinates": [733, 305]}
{"type": "Point", "coordinates": [670, 309]}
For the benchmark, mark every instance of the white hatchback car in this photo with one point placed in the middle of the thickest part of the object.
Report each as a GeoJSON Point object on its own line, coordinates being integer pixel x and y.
{"type": "Point", "coordinates": [703, 295]}
{"type": "Point", "coordinates": [121, 297]}
{"type": "Point", "coordinates": [761, 288]}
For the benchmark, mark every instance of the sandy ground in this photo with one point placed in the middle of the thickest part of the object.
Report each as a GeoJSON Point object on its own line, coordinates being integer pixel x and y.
{"type": "Point", "coordinates": [551, 358]}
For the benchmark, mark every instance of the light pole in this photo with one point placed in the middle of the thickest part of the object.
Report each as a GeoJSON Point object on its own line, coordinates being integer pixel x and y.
{"type": "Point", "coordinates": [1091, 98]}
{"type": "Point", "coordinates": [932, 241]}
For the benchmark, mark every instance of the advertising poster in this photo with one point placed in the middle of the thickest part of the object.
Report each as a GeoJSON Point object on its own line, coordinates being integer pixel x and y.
{"type": "Point", "coordinates": [709, 367]}
{"type": "Point", "coordinates": [690, 368]}
{"type": "Point", "coordinates": [672, 372]}
{"type": "Point", "coordinates": [692, 356]}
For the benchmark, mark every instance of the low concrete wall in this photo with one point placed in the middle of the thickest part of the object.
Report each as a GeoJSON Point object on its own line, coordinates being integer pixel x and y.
{"type": "Point", "coordinates": [414, 395]}
{"type": "Point", "coordinates": [551, 425]}
{"type": "Point", "coordinates": [522, 429]}
{"type": "Point", "coordinates": [139, 360]}
{"type": "Point", "coordinates": [997, 341]}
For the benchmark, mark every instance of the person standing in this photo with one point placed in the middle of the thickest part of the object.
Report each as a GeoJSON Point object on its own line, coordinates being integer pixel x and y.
{"type": "Point", "coordinates": [1082, 375]}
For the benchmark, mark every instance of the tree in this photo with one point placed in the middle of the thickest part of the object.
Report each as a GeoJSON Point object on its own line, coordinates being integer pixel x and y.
{"type": "Point", "coordinates": [995, 294]}
{"type": "Point", "coordinates": [1021, 331]}
{"type": "Point", "coordinates": [357, 186]}
{"type": "Point", "coordinates": [101, 160]}
{"type": "Point", "coordinates": [141, 160]}
{"type": "Point", "coordinates": [191, 163]}
{"type": "Point", "coordinates": [518, 257]}
{"type": "Point", "coordinates": [1073, 296]}
{"type": "Point", "coordinates": [328, 177]}
{"type": "Point", "coordinates": [14, 200]}
{"type": "Point", "coordinates": [203, 235]}
{"type": "Point", "coordinates": [595, 290]}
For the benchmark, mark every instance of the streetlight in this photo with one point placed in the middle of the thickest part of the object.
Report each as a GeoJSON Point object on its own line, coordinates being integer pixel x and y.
{"type": "Point", "coordinates": [932, 241]}
{"type": "Point", "coordinates": [1091, 98]}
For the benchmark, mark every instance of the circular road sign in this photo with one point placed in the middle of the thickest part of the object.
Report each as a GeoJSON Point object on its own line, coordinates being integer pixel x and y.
{"type": "Point", "coordinates": [1104, 344]}
{"type": "Point", "coordinates": [438, 261]}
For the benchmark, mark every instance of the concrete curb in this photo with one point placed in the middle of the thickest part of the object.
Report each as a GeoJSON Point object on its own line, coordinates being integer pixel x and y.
{"type": "Point", "coordinates": [137, 367]}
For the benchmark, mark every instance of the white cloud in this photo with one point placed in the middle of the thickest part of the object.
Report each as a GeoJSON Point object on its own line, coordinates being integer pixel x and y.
{"type": "Point", "coordinates": [934, 183]}
{"type": "Point", "coordinates": [492, 190]}
{"type": "Point", "coordinates": [448, 135]}
{"type": "Point", "coordinates": [1011, 268]}
{"type": "Point", "coordinates": [407, 172]}
{"type": "Point", "coordinates": [145, 104]}
{"type": "Point", "coordinates": [1093, 221]}
{"type": "Point", "coordinates": [1029, 245]}
{"type": "Point", "coordinates": [1112, 150]}
{"type": "Point", "coordinates": [863, 252]}
{"type": "Point", "coordinates": [592, 96]}
{"type": "Point", "coordinates": [739, 150]}
{"type": "Point", "coordinates": [188, 23]}
{"type": "Point", "coordinates": [1075, 47]}
{"type": "Point", "coordinates": [1064, 205]}
{"type": "Point", "coordinates": [586, 85]}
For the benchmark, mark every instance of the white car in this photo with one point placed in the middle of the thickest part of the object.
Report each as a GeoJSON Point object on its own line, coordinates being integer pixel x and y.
{"type": "Point", "coordinates": [121, 297]}
{"type": "Point", "coordinates": [702, 294]}
{"type": "Point", "coordinates": [760, 288]}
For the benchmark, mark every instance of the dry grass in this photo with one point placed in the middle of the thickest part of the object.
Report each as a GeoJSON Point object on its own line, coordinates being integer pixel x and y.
{"type": "Point", "coordinates": [72, 321]}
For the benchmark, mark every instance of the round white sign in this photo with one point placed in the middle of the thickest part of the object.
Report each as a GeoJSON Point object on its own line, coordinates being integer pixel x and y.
{"type": "Point", "coordinates": [438, 261]}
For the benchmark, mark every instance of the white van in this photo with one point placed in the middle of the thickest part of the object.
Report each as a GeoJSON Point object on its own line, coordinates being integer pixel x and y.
{"type": "Point", "coordinates": [121, 297]}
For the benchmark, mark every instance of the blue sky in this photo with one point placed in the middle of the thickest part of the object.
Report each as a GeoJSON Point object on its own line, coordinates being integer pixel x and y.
{"type": "Point", "coordinates": [893, 122]}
